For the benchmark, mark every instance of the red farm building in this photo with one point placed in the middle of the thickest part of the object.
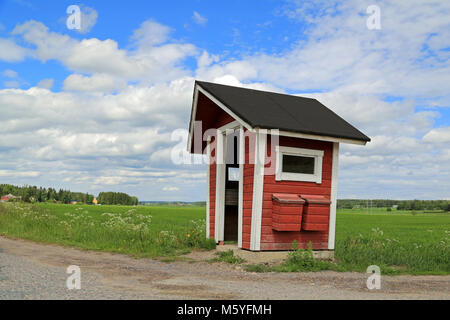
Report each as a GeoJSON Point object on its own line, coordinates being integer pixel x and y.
{"type": "Point", "coordinates": [272, 166]}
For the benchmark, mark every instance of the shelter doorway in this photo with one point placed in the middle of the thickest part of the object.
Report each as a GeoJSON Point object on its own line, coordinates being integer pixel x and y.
{"type": "Point", "coordinates": [232, 177]}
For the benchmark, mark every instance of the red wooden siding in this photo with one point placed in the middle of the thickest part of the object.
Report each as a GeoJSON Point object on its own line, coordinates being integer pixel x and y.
{"type": "Point", "coordinates": [282, 240]}
{"type": "Point", "coordinates": [248, 190]}
{"type": "Point", "coordinates": [211, 116]}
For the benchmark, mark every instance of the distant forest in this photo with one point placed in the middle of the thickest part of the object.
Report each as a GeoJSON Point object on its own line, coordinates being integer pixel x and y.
{"type": "Point", "coordinates": [117, 198]}
{"type": "Point", "coordinates": [35, 194]}
{"type": "Point", "coordinates": [398, 204]}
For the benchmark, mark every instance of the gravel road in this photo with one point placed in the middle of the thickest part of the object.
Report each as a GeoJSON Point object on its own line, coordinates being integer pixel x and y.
{"type": "Point", "coordinates": [35, 271]}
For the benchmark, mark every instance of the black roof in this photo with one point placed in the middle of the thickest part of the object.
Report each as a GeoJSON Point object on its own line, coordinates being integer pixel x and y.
{"type": "Point", "coordinates": [270, 110]}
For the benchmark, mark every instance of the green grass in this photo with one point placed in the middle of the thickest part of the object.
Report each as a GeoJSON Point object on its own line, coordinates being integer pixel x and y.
{"type": "Point", "coordinates": [228, 257]}
{"type": "Point", "coordinates": [297, 261]}
{"type": "Point", "coordinates": [139, 231]}
{"type": "Point", "coordinates": [398, 242]}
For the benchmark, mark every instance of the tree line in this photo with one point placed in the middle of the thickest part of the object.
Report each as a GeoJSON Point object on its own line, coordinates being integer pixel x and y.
{"type": "Point", "coordinates": [117, 198]}
{"type": "Point", "coordinates": [400, 204]}
{"type": "Point", "coordinates": [35, 194]}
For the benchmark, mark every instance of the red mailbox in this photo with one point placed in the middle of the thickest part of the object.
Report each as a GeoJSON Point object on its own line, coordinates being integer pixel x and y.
{"type": "Point", "coordinates": [316, 213]}
{"type": "Point", "coordinates": [287, 210]}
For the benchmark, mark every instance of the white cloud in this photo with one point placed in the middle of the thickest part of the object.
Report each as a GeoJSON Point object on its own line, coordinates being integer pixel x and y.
{"type": "Point", "coordinates": [109, 130]}
{"type": "Point", "coordinates": [95, 83]}
{"type": "Point", "coordinates": [170, 189]}
{"type": "Point", "coordinates": [199, 19]}
{"type": "Point", "coordinates": [438, 136]}
{"type": "Point", "coordinates": [10, 73]}
{"type": "Point", "coordinates": [10, 51]}
{"type": "Point", "coordinates": [12, 173]}
{"type": "Point", "coordinates": [148, 61]}
{"type": "Point", "coordinates": [88, 19]}
{"type": "Point", "coordinates": [151, 33]}
{"type": "Point", "coordinates": [46, 83]}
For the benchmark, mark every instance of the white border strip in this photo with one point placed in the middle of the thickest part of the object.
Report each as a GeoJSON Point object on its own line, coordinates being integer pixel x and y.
{"type": "Point", "coordinates": [241, 184]}
{"type": "Point", "coordinates": [208, 179]}
{"type": "Point", "coordinates": [258, 184]}
{"type": "Point", "coordinates": [334, 185]}
{"type": "Point", "coordinates": [220, 187]}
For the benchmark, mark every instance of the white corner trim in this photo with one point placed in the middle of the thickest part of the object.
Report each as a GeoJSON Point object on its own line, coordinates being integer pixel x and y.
{"type": "Point", "coordinates": [219, 214]}
{"type": "Point", "coordinates": [208, 179]}
{"type": "Point", "coordinates": [258, 184]}
{"type": "Point", "coordinates": [318, 162]}
{"type": "Point", "coordinates": [241, 184]}
{"type": "Point", "coordinates": [194, 112]}
{"type": "Point", "coordinates": [334, 185]}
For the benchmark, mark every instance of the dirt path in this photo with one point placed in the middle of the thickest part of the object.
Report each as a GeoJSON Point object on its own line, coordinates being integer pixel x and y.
{"type": "Point", "coordinates": [34, 271]}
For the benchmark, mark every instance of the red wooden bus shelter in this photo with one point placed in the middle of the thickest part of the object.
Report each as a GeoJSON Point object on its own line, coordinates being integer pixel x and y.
{"type": "Point", "coordinates": [272, 166]}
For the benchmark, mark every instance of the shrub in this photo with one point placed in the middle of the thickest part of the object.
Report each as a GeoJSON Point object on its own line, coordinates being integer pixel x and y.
{"type": "Point", "coordinates": [303, 260]}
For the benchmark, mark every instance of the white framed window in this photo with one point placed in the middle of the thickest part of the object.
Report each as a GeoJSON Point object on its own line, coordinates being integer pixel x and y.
{"type": "Point", "coordinates": [297, 164]}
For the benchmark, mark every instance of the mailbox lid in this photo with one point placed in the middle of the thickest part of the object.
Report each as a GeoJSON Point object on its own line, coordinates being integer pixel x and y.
{"type": "Point", "coordinates": [315, 199]}
{"type": "Point", "coordinates": [287, 198]}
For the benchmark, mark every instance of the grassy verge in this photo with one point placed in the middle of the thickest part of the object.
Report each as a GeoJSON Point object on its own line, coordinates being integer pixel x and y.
{"type": "Point", "coordinates": [138, 231]}
{"type": "Point", "coordinates": [397, 242]}
{"type": "Point", "coordinates": [228, 257]}
{"type": "Point", "coordinates": [405, 243]}
{"type": "Point", "coordinates": [296, 261]}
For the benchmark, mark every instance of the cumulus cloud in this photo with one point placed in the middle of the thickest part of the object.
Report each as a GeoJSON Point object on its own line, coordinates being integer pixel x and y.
{"type": "Point", "coordinates": [96, 83]}
{"type": "Point", "coordinates": [10, 51]}
{"type": "Point", "coordinates": [111, 125]}
{"type": "Point", "coordinates": [147, 61]}
{"type": "Point", "coordinates": [151, 33]}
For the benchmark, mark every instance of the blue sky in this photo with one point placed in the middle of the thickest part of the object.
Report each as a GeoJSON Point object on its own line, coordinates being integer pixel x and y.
{"type": "Point", "coordinates": [94, 110]}
{"type": "Point", "coordinates": [233, 28]}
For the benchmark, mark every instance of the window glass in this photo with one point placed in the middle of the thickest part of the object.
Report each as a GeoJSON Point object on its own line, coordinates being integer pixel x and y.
{"type": "Point", "coordinates": [298, 164]}
{"type": "Point", "coordinates": [233, 174]}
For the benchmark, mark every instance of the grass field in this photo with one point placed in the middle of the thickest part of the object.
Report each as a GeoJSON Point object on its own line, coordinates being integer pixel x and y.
{"type": "Point", "coordinates": [140, 231]}
{"type": "Point", "coordinates": [405, 242]}
{"type": "Point", "coordinates": [412, 242]}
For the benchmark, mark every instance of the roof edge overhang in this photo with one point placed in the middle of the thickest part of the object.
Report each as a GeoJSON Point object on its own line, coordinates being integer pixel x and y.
{"type": "Point", "coordinates": [311, 136]}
